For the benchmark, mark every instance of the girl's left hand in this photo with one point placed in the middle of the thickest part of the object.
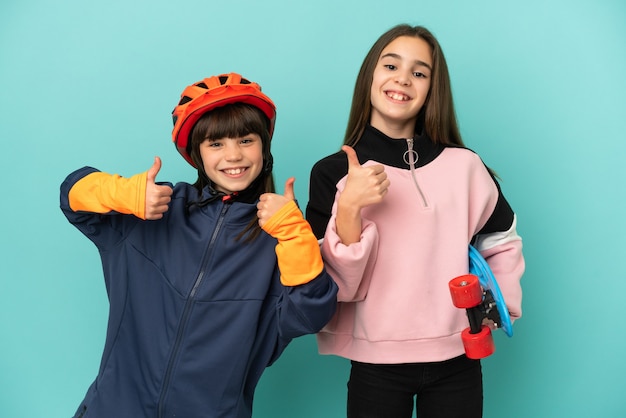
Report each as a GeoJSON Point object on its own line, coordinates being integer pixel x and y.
{"type": "Point", "coordinates": [270, 203]}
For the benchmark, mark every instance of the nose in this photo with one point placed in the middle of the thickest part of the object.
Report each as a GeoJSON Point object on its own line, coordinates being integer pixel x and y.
{"type": "Point", "coordinates": [233, 153]}
{"type": "Point", "coordinates": [403, 78]}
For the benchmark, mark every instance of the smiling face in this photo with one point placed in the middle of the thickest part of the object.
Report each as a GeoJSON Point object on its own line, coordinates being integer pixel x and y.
{"type": "Point", "coordinates": [232, 164]}
{"type": "Point", "coordinates": [400, 85]}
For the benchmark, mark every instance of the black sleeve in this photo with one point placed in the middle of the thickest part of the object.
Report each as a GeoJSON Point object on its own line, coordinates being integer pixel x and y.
{"type": "Point", "coordinates": [502, 217]}
{"type": "Point", "coordinates": [325, 175]}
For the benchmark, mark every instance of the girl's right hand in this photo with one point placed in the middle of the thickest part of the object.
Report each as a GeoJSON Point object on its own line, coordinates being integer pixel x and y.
{"type": "Point", "coordinates": [158, 197]}
{"type": "Point", "coordinates": [365, 185]}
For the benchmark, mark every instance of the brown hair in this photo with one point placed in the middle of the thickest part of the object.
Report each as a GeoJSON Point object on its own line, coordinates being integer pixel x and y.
{"type": "Point", "coordinates": [437, 117]}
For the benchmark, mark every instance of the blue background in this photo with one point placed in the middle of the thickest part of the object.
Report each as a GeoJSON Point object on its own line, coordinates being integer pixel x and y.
{"type": "Point", "coordinates": [540, 91]}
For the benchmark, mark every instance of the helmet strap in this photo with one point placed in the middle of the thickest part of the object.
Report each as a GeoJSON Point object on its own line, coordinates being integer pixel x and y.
{"type": "Point", "coordinates": [268, 164]}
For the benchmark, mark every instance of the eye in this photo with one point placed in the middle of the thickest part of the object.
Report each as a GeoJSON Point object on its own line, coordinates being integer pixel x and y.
{"type": "Point", "coordinates": [213, 144]}
{"type": "Point", "coordinates": [419, 74]}
{"type": "Point", "coordinates": [390, 66]}
{"type": "Point", "coordinates": [249, 139]}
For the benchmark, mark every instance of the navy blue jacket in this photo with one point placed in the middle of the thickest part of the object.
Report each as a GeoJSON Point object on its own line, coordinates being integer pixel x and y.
{"type": "Point", "coordinates": [195, 316]}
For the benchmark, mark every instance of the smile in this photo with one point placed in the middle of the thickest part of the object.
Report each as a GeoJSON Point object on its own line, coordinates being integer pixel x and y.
{"type": "Point", "coordinates": [397, 96]}
{"type": "Point", "coordinates": [234, 171]}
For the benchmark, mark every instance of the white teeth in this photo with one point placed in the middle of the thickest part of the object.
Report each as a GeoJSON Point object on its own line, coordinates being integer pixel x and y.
{"type": "Point", "coordinates": [234, 171]}
{"type": "Point", "coordinates": [398, 96]}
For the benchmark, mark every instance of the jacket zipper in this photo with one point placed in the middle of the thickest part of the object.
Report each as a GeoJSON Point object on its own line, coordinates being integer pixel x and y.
{"type": "Point", "coordinates": [411, 157]}
{"type": "Point", "coordinates": [187, 310]}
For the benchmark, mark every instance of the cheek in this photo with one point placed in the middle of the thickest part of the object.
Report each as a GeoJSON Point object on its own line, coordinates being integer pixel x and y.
{"type": "Point", "coordinates": [258, 161]}
{"type": "Point", "coordinates": [375, 84]}
{"type": "Point", "coordinates": [256, 154]}
{"type": "Point", "coordinates": [206, 160]}
{"type": "Point", "coordinates": [426, 88]}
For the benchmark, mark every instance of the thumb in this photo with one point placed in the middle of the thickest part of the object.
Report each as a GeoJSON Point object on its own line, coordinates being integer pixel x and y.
{"type": "Point", "coordinates": [154, 170]}
{"type": "Point", "coordinates": [289, 194]}
{"type": "Point", "coordinates": [353, 160]}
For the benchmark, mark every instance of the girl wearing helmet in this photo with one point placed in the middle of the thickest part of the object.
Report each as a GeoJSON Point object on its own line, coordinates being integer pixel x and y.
{"type": "Point", "coordinates": [397, 209]}
{"type": "Point", "coordinates": [209, 282]}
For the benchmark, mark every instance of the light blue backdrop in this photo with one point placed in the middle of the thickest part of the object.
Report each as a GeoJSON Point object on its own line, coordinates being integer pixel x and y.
{"type": "Point", "coordinates": [540, 93]}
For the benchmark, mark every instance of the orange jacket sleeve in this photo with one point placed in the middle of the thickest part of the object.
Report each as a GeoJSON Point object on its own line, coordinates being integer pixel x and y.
{"type": "Point", "coordinates": [299, 256]}
{"type": "Point", "coordinates": [102, 193]}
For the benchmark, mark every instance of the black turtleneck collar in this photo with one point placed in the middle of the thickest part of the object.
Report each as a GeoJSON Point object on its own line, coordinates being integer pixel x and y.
{"type": "Point", "coordinates": [249, 195]}
{"type": "Point", "coordinates": [375, 145]}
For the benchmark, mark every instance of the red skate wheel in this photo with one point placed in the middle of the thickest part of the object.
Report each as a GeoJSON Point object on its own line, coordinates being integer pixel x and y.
{"type": "Point", "coordinates": [479, 345]}
{"type": "Point", "coordinates": [466, 291]}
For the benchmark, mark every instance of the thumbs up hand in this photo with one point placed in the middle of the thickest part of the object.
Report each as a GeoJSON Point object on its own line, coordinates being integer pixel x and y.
{"type": "Point", "coordinates": [157, 197]}
{"type": "Point", "coordinates": [365, 185]}
{"type": "Point", "coordinates": [270, 203]}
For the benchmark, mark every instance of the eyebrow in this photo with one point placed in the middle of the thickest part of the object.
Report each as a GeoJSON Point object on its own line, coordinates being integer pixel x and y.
{"type": "Point", "coordinates": [418, 62]}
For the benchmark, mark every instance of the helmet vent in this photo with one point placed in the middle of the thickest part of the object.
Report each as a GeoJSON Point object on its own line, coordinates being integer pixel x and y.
{"type": "Point", "coordinates": [223, 79]}
{"type": "Point", "coordinates": [184, 100]}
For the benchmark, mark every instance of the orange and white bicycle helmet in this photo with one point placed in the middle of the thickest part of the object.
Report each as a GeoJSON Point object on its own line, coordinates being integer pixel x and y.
{"type": "Point", "coordinates": [210, 93]}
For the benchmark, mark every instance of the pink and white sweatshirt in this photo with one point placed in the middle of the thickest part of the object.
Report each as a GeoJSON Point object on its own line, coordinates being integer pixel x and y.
{"type": "Point", "coordinates": [394, 303]}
